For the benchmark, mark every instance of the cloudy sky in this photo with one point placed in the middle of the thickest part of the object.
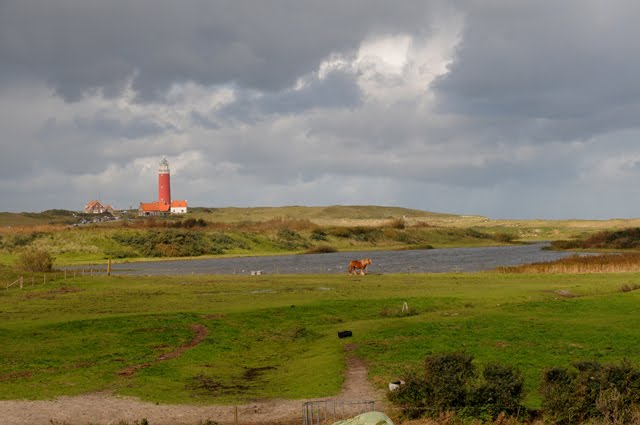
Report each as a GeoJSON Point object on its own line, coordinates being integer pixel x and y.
{"type": "Point", "coordinates": [502, 108]}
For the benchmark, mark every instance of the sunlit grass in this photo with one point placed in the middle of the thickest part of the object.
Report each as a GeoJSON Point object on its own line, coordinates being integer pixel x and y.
{"type": "Point", "coordinates": [276, 336]}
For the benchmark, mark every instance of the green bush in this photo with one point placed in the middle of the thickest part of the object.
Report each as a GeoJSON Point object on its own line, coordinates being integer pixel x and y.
{"type": "Point", "coordinates": [501, 390]}
{"type": "Point", "coordinates": [359, 233]}
{"type": "Point", "coordinates": [444, 386]}
{"type": "Point", "coordinates": [619, 239]}
{"type": "Point", "coordinates": [35, 260]}
{"type": "Point", "coordinates": [503, 237]}
{"type": "Point", "coordinates": [19, 240]}
{"type": "Point", "coordinates": [591, 391]}
{"type": "Point", "coordinates": [321, 249]}
{"type": "Point", "coordinates": [449, 383]}
{"type": "Point", "coordinates": [449, 375]}
{"type": "Point", "coordinates": [413, 396]}
{"type": "Point", "coordinates": [169, 243]}
{"type": "Point", "coordinates": [290, 240]}
{"type": "Point", "coordinates": [318, 235]}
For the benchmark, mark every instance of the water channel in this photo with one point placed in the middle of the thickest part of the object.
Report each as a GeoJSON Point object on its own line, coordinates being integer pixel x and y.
{"type": "Point", "coordinates": [416, 261]}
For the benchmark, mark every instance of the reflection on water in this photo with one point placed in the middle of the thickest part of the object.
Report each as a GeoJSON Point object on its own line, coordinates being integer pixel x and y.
{"type": "Point", "coordinates": [418, 261]}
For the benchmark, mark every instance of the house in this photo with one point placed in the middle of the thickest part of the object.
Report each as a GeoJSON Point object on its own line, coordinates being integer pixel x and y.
{"type": "Point", "coordinates": [178, 207]}
{"type": "Point", "coordinates": [95, 207]}
{"type": "Point", "coordinates": [153, 208]}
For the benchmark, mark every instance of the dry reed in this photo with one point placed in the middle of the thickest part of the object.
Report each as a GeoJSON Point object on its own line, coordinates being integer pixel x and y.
{"type": "Point", "coordinates": [606, 263]}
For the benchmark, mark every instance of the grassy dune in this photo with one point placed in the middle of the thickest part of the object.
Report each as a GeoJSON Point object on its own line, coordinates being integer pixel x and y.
{"type": "Point", "coordinates": [276, 336]}
{"type": "Point", "coordinates": [198, 234]}
{"type": "Point", "coordinates": [271, 230]}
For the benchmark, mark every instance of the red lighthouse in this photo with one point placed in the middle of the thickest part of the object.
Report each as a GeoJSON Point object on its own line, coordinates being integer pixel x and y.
{"type": "Point", "coordinates": [164, 204]}
{"type": "Point", "coordinates": [164, 183]}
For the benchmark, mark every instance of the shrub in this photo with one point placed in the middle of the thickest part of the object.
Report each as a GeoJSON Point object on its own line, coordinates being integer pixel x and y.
{"type": "Point", "coordinates": [169, 242]}
{"type": "Point", "coordinates": [318, 235]}
{"type": "Point", "coordinates": [443, 386]}
{"type": "Point", "coordinates": [35, 260]}
{"type": "Point", "coordinates": [619, 239]}
{"type": "Point", "coordinates": [189, 223]}
{"type": "Point", "coordinates": [501, 391]}
{"type": "Point", "coordinates": [398, 223]}
{"type": "Point", "coordinates": [559, 396]}
{"type": "Point", "coordinates": [321, 249]}
{"type": "Point", "coordinates": [503, 237]}
{"type": "Point", "coordinates": [413, 396]}
{"type": "Point", "coordinates": [448, 375]}
{"type": "Point", "coordinates": [290, 240]}
{"type": "Point", "coordinates": [359, 233]}
{"type": "Point", "coordinates": [591, 392]}
{"type": "Point", "coordinates": [20, 239]}
{"type": "Point", "coordinates": [449, 384]}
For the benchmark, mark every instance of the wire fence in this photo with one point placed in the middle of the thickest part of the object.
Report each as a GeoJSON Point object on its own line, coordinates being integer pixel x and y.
{"type": "Point", "coordinates": [33, 279]}
{"type": "Point", "coordinates": [330, 411]}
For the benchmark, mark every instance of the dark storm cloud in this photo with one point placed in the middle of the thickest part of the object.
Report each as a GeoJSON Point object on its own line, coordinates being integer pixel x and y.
{"type": "Point", "coordinates": [80, 46]}
{"type": "Point", "coordinates": [110, 127]}
{"type": "Point", "coordinates": [338, 89]}
{"type": "Point", "coordinates": [544, 60]}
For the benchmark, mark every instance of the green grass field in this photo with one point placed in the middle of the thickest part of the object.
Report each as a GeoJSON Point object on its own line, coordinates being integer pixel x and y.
{"type": "Point", "coordinates": [276, 336]}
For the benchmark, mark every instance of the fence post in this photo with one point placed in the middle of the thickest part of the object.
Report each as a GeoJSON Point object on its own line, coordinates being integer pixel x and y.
{"type": "Point", "coordinates": [21, 281]}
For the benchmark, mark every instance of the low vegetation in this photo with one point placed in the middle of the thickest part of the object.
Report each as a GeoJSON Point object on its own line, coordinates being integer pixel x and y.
{"type": "Point", "coordinates": [585, 392]}
{"type": "Point", "coordinates": [34, 260]}
{"type": "Point", "coordinates": [623, 239]}
{"type": "Point", "coordinates": [450, 382]}
{"type": "Point", "coordinates": [605, 263]}
{"type": "Point", "coordinates": [169, 237]}
{"type": "Point", "coordinates": [274, 336]}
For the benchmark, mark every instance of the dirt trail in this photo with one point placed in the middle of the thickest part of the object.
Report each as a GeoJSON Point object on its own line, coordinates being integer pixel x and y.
{"type": "Point", "coordinates": [200, 334]}
{"type": "Point", "coordinates": [107, 409]}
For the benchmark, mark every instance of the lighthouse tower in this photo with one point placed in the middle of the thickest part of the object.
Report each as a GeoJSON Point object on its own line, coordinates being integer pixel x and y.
{"type": "Point", "coordinates": [164, 183]}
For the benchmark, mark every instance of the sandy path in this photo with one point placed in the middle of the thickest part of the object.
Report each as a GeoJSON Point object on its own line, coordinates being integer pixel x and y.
{"type": "Point", "coordinates": [105, 408]}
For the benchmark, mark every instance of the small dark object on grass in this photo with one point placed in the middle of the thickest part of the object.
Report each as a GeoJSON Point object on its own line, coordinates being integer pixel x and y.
{"type": "Point", "coordinates": [344, 334]}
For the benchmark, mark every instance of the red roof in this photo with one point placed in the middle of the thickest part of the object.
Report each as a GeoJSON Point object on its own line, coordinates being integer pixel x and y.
{"type": "Point", "coordinates": [178, 204]}
{"type": "Point", "coordinates": [154, 207]}
{"type": "Point", "coordinates": [93, 204]}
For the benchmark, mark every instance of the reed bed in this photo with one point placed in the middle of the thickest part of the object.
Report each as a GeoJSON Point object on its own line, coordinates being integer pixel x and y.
{"type": "Point", "coordinates": [605, 263]}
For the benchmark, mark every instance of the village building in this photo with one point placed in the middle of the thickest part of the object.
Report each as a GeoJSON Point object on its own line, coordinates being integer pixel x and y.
{"type": "Point", "coordinates": [95, 207]}
{"type": "Point", "coordinates": [164, 204]}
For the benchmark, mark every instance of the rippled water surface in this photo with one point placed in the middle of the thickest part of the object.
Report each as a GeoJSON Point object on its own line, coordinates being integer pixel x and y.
{"type": "Point", "coordinates": [419, 261]}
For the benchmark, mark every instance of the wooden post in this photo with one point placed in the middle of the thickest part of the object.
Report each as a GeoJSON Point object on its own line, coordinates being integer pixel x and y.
{"type": "Point", "coordinates": [109, 267]}
{"type": "Point", "coordinates": [235, 415]}
{"type": "Point", "coordinates": [21, 281]}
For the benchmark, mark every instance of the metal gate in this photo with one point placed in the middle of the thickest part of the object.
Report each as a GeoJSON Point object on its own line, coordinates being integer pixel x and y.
{"type": "Point", "coordinates": [330, 411]}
